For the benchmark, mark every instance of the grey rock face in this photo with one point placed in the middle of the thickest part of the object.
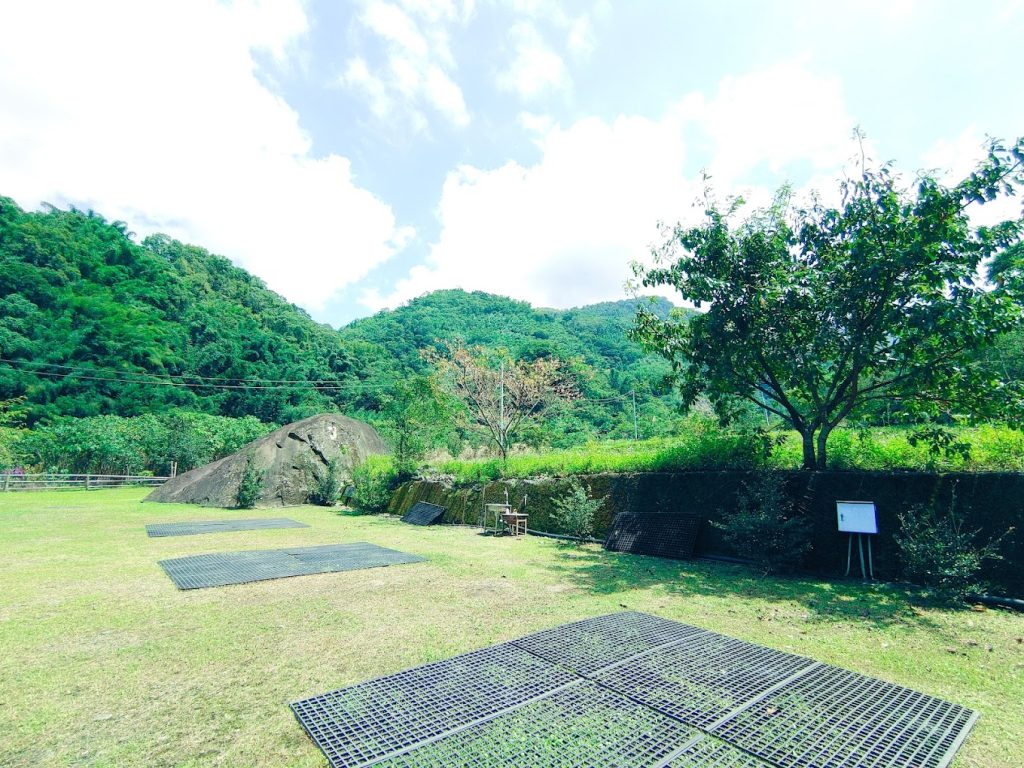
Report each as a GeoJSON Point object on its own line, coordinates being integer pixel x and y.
{"type": "Point", "coordinates": [289, 457]}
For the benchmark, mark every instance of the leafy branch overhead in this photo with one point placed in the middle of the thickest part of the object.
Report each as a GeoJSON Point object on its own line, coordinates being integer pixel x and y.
{"type": "Point", "coordinates": [815, 312]}
{"type": "Point", "coordinates": [499, 394]}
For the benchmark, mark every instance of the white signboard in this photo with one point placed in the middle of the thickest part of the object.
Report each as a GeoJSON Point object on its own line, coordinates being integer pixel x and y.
{"type": "Point", "coordinates": [857, 517]}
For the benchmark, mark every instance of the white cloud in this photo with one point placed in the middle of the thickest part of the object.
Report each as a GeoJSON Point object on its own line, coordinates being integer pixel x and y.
{"type": "Point", "coordinates": [535, 67]}
{"type": "Point", "coordinates": [416, 73]}
{"type": "Point", "coordinates": [563, 231]}
{"type": "Point", "coordinates": [155, 115]}
{"type": "Point", "coordinates": [774, 116]}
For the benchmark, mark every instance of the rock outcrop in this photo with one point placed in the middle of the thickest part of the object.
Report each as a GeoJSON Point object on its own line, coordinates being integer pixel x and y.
{"type": "Point", "coordinates": [290, 459]}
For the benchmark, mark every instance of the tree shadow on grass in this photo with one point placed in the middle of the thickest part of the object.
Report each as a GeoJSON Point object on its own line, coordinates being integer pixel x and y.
{"type": "Point", "coordinates": [606, 573]}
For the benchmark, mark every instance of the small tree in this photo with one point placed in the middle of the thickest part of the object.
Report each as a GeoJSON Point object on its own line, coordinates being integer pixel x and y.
{"type": "Point", "coordinates": [326, 487]}
{"type": "Point", "coordinates": [938, 552]}
{"type": "Point", "coordinates": [574, 512]}
{"type": "Point", "coordinates": [413, 420]}
{"type": "Point", "coordinates": [250, 486]}
{"type": "Point", "coordinates": [765, 527]}
{"type": "Point", "coordinates": [816, 312]}
{"type": "Point", "coordinates": [500, 395]}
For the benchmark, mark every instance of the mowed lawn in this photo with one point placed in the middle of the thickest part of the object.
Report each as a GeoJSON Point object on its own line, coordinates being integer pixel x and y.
{"type": "Point", "coordinates": [103, 662]}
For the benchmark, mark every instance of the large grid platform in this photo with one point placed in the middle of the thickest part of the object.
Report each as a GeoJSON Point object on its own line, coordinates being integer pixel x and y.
{"type": "Point", "coordinates": [630, 689]}
{"type": "Point", "coordinates": [662, 534]}
{"type": "Point", "coordinates": [222, 568]}
{"type": "Point", "coordinates": [193, 527]}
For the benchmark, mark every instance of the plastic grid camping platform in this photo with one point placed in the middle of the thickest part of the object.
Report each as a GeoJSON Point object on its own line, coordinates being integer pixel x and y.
{"type": "Point", "coordinates": [704, 679]}
{"type": "Point", "coordinates": [589, 645]}
{"type": "Point", "coordinates": [710, 752]}
{"type": "Point", "coordinates": [662, 534]}
{"type": "Point", "coordinates": [190, 528]}
{"type": "Point", "coordinates": [581, 725]}
{"type": "Point", "coordinates": [369, 721]}
{"type": "Point", "coordinates": [631, 689]}
{"type": "Point", "coordinates": [223, 568]}
{"type": "Point", "coordinates": [423, 513]}
{"type": "Point", "coordinates": [839, 719]}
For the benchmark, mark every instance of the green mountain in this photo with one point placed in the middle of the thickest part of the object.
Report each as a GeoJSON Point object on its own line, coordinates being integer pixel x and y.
{"type": "Point", "coordinates": [93, 319]}
{"type": "Point", "coordinates": [93, 323]}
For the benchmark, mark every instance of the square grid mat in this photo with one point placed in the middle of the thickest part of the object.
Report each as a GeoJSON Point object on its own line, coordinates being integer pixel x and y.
{"type": "Point", "coordinates": [662, 534]}
{"type": "Point", "coordinates": [630, 689]}
{"type": "Point", "coordinates": [192, 527]}
{"type": "Point", "coordinates": [222, 568]}
{"type": "Point", "coordinates": [424, 513]}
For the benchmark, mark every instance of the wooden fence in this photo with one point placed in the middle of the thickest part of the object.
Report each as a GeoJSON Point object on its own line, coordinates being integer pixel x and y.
{"type": "Point", "coordinates": [49, 481]}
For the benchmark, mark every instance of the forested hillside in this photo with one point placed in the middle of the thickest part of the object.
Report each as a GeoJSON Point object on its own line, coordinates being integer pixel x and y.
{"type": "Point", "coordinates": [93, 323]}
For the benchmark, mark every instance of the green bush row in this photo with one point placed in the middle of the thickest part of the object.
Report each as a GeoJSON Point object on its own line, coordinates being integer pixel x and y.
{"type": "Point", "coordinates": [705, 447]}
{"type": "Point", "coordinates": [128, 445]}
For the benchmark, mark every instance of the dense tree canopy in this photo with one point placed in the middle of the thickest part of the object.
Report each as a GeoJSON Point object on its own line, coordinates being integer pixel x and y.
{"type": "Point", "coordinates": [817, 312]}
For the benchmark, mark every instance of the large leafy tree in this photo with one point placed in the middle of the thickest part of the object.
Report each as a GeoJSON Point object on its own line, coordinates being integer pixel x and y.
{"type": "Point", "coordinates": [815, 312]}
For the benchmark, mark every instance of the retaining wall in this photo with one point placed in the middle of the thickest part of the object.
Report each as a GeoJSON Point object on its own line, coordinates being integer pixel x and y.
{"type": "Point", "coordinates": [992, 502]}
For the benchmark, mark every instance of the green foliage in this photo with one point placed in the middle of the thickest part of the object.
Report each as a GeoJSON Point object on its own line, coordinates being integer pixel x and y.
{"type": "Point", "coordinates": [574, 512]}
{"type": "Point", "coordinates": [250, 486]}
{"type": "Point", "coordinates": [115, 445]}
{"type": "Point", "coordinates": [374, 481]}
{"type": "Point", "coordinates": [938, 553]}
{"type": "Point", "coordinates": [819, 314]}
{"type": "Point", "coordinates": [764, 526]}
{"type": "Point", "coordinates": [94, 320]}
{"type": "Point", "coordinates": [703, 445]}
{"type": "Point", "coordinates": [326, 489]}
{"type": "Point", "coordinates": [411, 420]}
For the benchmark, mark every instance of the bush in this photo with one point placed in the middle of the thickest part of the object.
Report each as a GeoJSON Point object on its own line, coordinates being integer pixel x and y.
{"type": "Point", "coordinates": [250, 486]}
{"type": "Point", "coordinates": [326, 488]}
{"type": "Point", "coordinates": [764, 526]}
{"type": "Point", "coordinates": [374, 481]}
{"type": "Point", "coordinates": [937, 553]}
{"type": "Point", "coordinates": [574, 512]}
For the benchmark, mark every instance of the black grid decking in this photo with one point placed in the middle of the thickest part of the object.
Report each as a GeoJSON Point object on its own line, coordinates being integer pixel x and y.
{"type": "Point", "coordinates": [423, 513]}
{"type": "Point", "coordinates": [630, 689]}
{"type": "Point", "coordinates": [190, 528]}
{"type": "Point", "coordinates": [711, 753]}
{"type": "Point", "coordinates": [660, 534]}
{"type": "Point", "coordinates": [369, 721]}
{"type": "Point", "coordinates": [586, 646]}
{"type": "Point", "coordinates": [835, 718]}
{"type": "Point", "coordinates": [582, 725]}
{"type": "Point", "coordinates": [703, 679]}
{"type": "Point", "coordinates": [223, 568]}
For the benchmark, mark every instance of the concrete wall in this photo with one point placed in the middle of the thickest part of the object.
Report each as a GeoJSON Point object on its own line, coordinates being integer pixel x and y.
{"type": "Point", "coordinates": [991, 502]}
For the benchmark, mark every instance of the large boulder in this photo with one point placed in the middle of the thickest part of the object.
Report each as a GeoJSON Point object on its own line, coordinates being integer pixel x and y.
{"type": "Point", "coordinates": [290, 458]}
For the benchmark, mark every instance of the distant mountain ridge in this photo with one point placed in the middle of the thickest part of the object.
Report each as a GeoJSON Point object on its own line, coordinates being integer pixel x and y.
{"type": "Point", "coordinates": [99, 324]}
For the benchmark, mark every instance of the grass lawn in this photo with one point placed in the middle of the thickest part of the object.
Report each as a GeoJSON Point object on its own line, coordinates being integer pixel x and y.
{"type": "Point", "coordinates": [104, 663]}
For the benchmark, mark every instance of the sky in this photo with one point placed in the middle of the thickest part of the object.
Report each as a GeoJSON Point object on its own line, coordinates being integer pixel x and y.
{"type": "Point", "coordinates": [357, 155]}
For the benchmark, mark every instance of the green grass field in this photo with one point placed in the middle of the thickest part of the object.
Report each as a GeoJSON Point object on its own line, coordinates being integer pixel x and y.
{"type": "Point", "coordinates": [104, 663]}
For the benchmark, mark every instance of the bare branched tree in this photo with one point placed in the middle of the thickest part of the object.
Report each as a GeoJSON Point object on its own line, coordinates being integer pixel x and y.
{"type": "Point", "coordinates": [500, 394]}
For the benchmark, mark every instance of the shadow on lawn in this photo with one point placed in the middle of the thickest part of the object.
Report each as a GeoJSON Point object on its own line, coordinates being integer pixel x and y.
{"type": "Point", "coordinates": [605, 573]}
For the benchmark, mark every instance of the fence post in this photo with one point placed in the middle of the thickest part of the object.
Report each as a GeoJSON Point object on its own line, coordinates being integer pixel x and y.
{"type": "Point", "coordinates": [87, 482]}
{"type": "Point", "coordinates": [7, 480]}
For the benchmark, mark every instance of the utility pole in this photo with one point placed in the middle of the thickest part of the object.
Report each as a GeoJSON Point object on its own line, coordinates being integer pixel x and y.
{"type": "Point", "coordinates": [501, 408]}
{"type": "Point", "coordinates": [636, 429]}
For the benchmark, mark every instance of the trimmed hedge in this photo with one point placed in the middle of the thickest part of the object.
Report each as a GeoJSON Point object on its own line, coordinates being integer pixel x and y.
{"type": "Point", "coordinates": [993, 502]}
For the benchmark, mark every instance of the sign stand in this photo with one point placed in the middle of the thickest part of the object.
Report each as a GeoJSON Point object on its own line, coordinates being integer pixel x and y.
{"type": "Point", "coordinates": [858, 518]}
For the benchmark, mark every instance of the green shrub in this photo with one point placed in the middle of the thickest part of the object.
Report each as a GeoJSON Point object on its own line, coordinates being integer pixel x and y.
{"type": "Point", "coordinates": [326, 487]}
{"type": "Point", "coordinates": [374, 480]}
{"type": "Point", "coordinates": [574, 512]}
{"type": "Point", "coordinates": [936, 551]}
{"type": "Point", "coordinates": [250, 486]}
{"type": "Point", "coordinates": [765, 527]}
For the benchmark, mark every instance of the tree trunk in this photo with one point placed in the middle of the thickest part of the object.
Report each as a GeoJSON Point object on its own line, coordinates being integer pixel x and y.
{"type": "Point", "coordinates": [822, 442]}
{"type": "Point", "coordinates": [808, 443]}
